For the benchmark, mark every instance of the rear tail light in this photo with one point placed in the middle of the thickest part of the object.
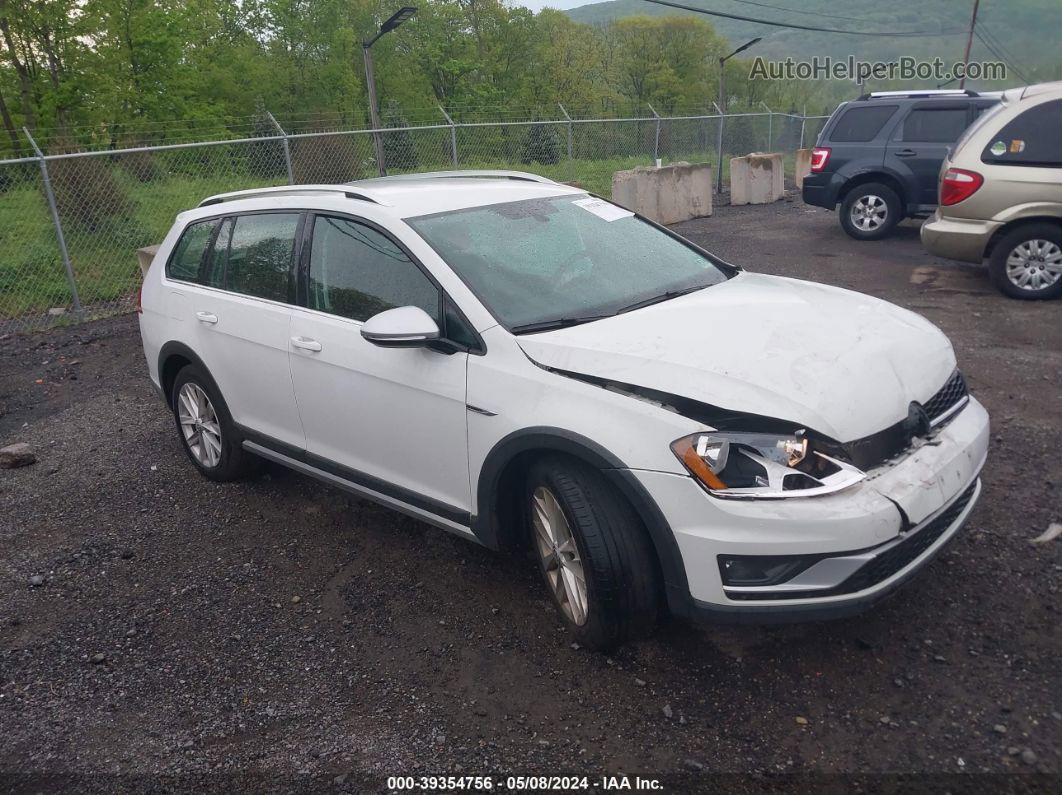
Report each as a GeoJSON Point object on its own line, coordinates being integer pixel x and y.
{"type": "Point", "coordinates": [819, 156]}
{"type": "Point", "coordinates": [140, 299]}
{"type": "Point", "coordinates": [959, 185]}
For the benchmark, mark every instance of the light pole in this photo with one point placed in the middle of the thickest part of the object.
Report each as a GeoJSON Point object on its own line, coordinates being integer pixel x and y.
{"type": "Point", "coordinates": [396, 19]}
{"type": "Point", "coordinates": [969, 41]}
{"type": "Point", "coordinates": [722, 107]}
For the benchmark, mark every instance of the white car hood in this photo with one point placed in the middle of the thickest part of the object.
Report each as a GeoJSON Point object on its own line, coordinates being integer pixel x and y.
{"type": "Point", "coordinates": [839, 362]}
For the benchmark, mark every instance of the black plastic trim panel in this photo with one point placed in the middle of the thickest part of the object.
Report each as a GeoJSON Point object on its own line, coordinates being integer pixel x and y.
{"type": "Point", "coordinates": [420, 502]}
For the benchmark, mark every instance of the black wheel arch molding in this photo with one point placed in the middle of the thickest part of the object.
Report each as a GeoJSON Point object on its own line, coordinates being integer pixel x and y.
{"type": "Point", "coordinates": [538, 440]}
{"type": "Point", "coordinates": [883, 174]}
{"type": "Point", "coordinates": [169, 352]}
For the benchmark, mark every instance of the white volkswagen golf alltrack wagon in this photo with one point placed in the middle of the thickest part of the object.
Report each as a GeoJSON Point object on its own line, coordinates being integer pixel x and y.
{"type": "Point", "coordinates": [528, 366]}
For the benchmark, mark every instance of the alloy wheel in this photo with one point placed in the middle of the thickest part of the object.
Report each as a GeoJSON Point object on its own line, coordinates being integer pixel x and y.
{"type": "Point", "coordinates": [559, 554]}
{"type": "Point", "coordinates": [199, 424]}
{"type": "Point", "coordinates": [1034, 265]}
{"type": "Point", "coordinates": [868, 213]}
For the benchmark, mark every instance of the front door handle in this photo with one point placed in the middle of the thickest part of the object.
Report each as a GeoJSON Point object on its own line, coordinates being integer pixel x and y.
{"type": "Point", "coordinates": [306, 343]}
{"type": "Point", "coordinates": [206, 317]}
{"type": "Point", "coordinates": [906, 153]}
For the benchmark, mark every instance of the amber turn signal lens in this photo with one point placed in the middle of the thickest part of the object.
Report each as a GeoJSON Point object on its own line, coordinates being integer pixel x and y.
{"type": "Point", "coordinates": [685, 452]}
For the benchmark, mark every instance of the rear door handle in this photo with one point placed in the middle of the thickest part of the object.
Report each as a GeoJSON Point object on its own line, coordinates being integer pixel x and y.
{"type": "Point", "coordinates": [906, 153]}
{"type": "Point", "coordinates": [306, 343]}
{"type": "Point", "coordinates": [206, 317]}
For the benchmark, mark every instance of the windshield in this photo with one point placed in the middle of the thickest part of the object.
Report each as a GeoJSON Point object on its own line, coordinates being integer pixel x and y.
{"type": "Point", "coordinates": [564, 259]}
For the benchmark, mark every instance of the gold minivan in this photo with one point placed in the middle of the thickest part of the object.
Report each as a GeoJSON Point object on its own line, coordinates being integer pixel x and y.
{"type": "Point", "coordinates": [1001, 194]}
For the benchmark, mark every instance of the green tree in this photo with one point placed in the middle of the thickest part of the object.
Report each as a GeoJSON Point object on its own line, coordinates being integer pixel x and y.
{"type": "Point", "coordinates": [399, 152]}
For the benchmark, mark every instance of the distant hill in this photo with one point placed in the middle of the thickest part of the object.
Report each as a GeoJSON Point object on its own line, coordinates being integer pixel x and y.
{"type": "Point", "coordinates": [1025, 33]}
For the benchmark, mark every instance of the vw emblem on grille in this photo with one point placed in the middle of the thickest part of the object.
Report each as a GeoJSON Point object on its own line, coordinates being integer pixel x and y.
{"type": "Point", "coordinates": [917, 423]}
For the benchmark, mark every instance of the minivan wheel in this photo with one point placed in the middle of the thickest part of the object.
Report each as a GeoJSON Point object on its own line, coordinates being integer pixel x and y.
{"type": "Point", "coordinates": [206, 430]}
{"type": "Point", "coordinates": [1027, 263]}
{"type": "Point", "coordinates": [870, 211]}
{"type": "Point", "coordinates": [593, 552]}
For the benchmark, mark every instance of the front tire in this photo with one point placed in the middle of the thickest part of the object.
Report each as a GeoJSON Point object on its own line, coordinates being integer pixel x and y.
{"type": "Point", "coordinates": [593, 552]}
{"type": "Point", "coordinates": [1027, 263]}
{"type": "Point", "coordinates": [206, 430]}
{"type": "Point", "coordinates": [870, 211]}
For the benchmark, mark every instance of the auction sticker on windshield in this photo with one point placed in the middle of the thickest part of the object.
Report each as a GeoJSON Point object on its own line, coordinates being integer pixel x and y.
{"type": "Point", "coordinates": [602, 209]}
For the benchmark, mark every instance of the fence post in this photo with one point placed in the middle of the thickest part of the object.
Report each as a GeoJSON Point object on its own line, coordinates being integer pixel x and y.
{"type": "Point", "coordinates": [719, 151]}
{"type": "Point", "coordinates": [453, 136]}
{"type": "Point", "coordinates": [803, 121]}
{"type": "Point", "coordinates": [287, 150]}
{"type": "Point", "coordinates": [569, 120]}
{"type": "Point", "coordinates": [656, 140]}
{"type": "Point", "coordinates": [770, 125]}
{"type": "Point", "coordinates": [50, 195]}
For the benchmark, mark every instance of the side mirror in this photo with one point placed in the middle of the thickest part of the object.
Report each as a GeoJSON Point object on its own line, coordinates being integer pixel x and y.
{"type": "Point", "coordinates": [401, 327]}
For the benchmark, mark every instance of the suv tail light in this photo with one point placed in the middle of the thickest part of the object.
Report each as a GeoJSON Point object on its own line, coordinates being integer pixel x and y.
{"type": "Point", "coordinates": [819, 156]}
{"type": "Point", "coordinates": [140, 299]}
{"type": "Point", "coordinates": [959, 184]}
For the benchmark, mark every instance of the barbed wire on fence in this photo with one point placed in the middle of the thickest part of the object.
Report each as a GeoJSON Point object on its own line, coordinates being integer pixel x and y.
{"type": "Point", "coordinates": [72, 220]}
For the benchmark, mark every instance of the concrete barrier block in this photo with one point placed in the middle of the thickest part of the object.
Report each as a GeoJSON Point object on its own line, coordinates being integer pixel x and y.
{"type": "Point", "coordinates": [667, 195]}
{"type": "Point", "coordinates": [144, 256]}
{"type": "Point", "coordinates": [802, 167]}
{"type": "Point", "coordinates": [756, 178]}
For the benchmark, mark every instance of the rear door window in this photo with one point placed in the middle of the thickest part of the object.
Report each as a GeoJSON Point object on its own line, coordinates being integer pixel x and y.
{"type": "Point", "coordinates": [935, 125]}
{"type": "Point", "coordinates": [862, 123]}
{"type": "Point", "coordinates": [1031, 139]}
{"type": "Point", "coordinates": [259, 255]}
{"type": "Point", "coordinates": [187, 255]}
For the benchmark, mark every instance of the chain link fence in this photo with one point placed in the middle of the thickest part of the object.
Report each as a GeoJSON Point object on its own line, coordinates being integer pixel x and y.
{"type": "Point", "coordinates": [71, 222]}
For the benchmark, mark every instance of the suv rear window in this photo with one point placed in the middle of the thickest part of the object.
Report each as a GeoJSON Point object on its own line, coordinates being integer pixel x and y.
{"type": "Point", "coordinates": [862, 123]}
{"type": "Point", "coordinates": [1030, 139]}
{"type": "Point", "coordinates": [935, 125]}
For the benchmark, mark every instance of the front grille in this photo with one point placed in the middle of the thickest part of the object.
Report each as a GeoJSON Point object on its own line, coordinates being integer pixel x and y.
{"type": "Point", "coordinates": [872, 451]}
{"type": "Point", "coordinates": [948, 395]}
{"type": "Point", "coordinates": [886, 564]}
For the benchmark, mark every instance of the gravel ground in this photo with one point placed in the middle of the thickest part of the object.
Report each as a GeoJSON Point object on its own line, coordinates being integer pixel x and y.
{"type": "Point", "coordinates": [279, 635]}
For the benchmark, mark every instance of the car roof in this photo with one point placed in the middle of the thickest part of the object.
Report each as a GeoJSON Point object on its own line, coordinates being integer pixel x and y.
{"type": "Point", "coordinates": [403, 196]}
{"type": "Point", "coordinates": [1035, 90]}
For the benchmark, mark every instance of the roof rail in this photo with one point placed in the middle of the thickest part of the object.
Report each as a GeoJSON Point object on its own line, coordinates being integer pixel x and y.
{"type": "Point", "coordinates": [487, 173]}
{"type": "Point", "coordinates": [289, 190]}
{"type": "Point", "coordinates": [929, 92]}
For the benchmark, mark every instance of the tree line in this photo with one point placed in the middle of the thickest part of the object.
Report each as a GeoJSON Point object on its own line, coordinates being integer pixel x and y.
{"type": "Point", "coordinates": [121, 72]}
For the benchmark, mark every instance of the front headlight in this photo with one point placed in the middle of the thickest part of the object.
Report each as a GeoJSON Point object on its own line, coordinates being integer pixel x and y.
{"type": "Point", "coordinates": [762, 466]}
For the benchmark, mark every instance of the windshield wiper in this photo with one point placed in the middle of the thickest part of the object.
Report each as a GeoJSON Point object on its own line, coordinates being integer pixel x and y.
{"type": "Point", "coordinates": [656, 299]}
{"type": "Point", "coordinates": [555, 323]}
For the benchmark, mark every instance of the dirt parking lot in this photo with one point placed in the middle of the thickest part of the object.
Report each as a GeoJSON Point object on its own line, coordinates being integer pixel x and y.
{"type": "Point", "coordinates": [279, 635]}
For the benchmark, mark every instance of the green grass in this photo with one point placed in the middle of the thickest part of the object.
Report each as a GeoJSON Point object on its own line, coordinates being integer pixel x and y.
{"type": "Point", "coordinates": [32, 277]}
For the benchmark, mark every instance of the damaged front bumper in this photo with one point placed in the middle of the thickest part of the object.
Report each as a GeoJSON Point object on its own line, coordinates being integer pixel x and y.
{"type": "Point", "coordinates": [821, 557]}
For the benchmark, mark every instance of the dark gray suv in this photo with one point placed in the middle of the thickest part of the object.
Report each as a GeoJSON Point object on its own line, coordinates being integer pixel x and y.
{"type": "Point", "coordinates": [879, 156]}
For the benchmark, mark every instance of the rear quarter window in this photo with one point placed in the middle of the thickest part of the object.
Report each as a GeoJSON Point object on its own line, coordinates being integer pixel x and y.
{"type": "Point", "coordinates": [188, 253]}
{"type": "Point", "coordinates": [1032, 138]}
{"type": "Point", "coordinates": [862, 123]}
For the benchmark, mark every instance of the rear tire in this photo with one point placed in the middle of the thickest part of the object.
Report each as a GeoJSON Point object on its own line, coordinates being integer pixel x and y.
{"type": "Point", "coordinates": [206, 429]}
{"type": "Point", "coordinates": [870, 211]}
{"type": "Point", "coordinates": [583, 531]}
{"type": "Point", "coordinates": [1027, 263]}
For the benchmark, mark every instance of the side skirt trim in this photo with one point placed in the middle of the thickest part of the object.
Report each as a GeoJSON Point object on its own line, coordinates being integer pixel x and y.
{"type": "Point", "coordinates": [359, 490]}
